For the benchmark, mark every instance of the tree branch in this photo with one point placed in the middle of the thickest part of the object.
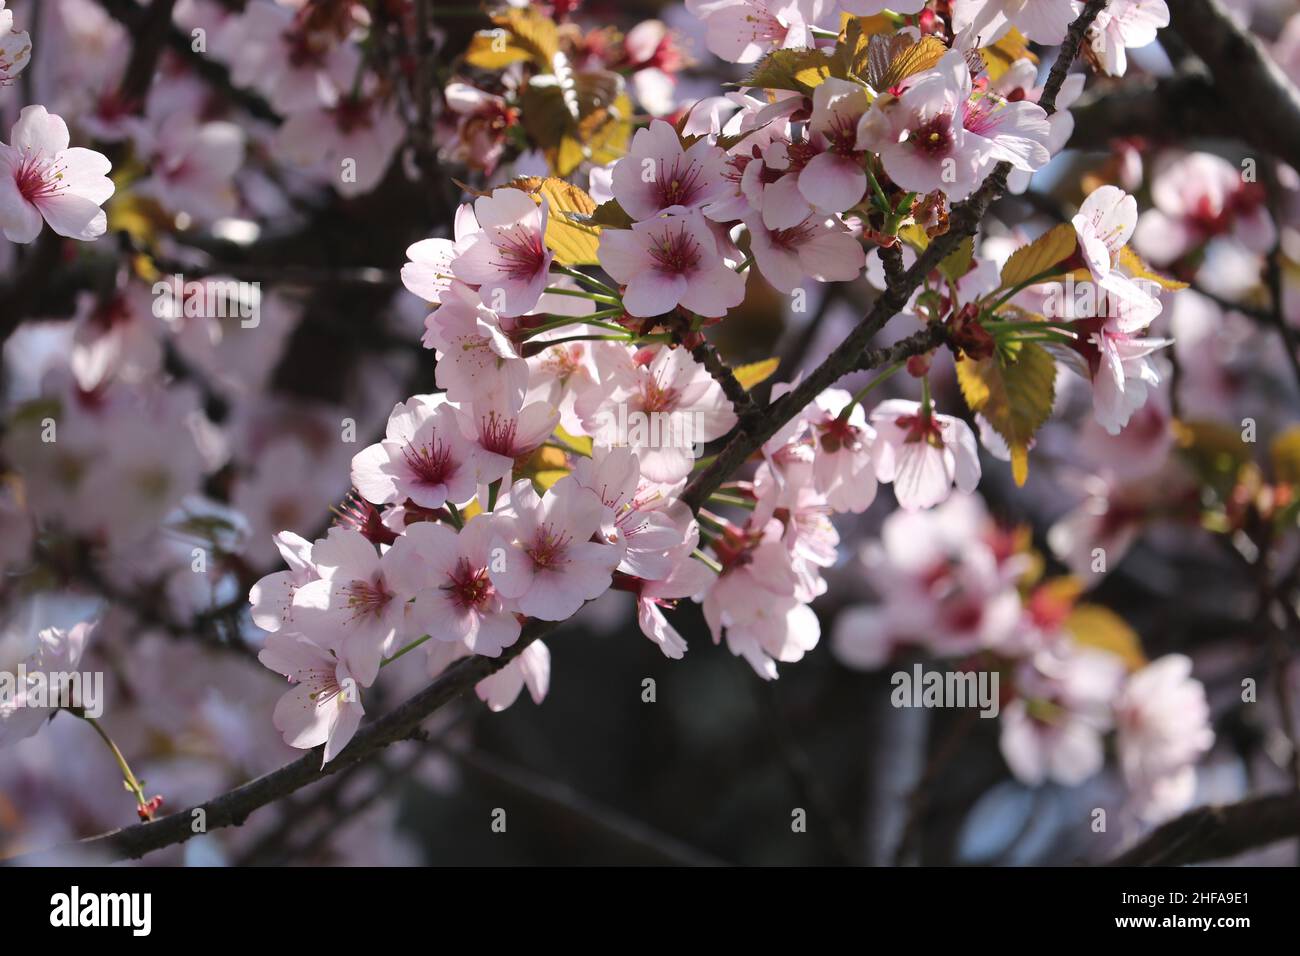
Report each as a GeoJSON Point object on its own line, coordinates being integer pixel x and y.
{"type": "Point", "coordinates": [1250, 83]}
{"type": "Point", "coordinates": [1216, 832]}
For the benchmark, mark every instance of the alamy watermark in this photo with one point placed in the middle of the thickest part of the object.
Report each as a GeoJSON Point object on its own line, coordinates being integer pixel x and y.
{"type": "Point", "coordinates": [175, 298]}
{"type": "Point", "coordinates": [921, 688]}
{"type": "Point", "coordinates": [53, 690]}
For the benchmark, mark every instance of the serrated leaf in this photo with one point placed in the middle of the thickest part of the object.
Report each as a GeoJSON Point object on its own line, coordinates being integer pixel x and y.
{"type": "Point", "coordinates": [574, 242]}
{"type": "Point", "coordinates": [799, 70]}
{"type": "Point", "coordinates": [1138, 269]}
{"type": "Point", "coordinates": [600, 131]}
{"type": "Point", "coordinates": [610, 215]}
{"type": "Point", "coordinates": [1015, 397]}
{"type": "Point", "coordinates": [755, 372]}
{"type": "Point", "coordinates": [1039, 258]}
{"type": "Point", "coordinates": [1284, 452]}
{"type": "Point", "coordinates": [916, 58]}
{"type": "Point", "coordinates": [521, 33]}
{"type": "Point", "coordinates": [1093, 625]}
{"type": "Point", "coordinates": [853, 52]}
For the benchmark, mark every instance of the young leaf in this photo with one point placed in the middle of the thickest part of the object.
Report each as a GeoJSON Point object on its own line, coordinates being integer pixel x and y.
{"type": "Point", "coordinates": [799, 70]}
{"type": "Point", "coordinates": [574, 241]}
{"type": "Point", "coordinates": [755, 372]}
{"type": "Point", "coordinates": [1015, 396]}
{"type": "Point", "coordinates": [1138, 269]}
{"type": "Point", "coordinates": [1099, 627]}
{"type": "Point", "coordinates": [520, 34]}
{"type": "Point", "coordinates": [1039, 257]}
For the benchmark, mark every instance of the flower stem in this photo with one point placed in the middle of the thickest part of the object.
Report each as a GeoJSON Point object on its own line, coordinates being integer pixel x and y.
{"type": "Point", "coordinates": [583, 277]}
{"type": "Point", "coordinates": [454, 514]}
{"type": "Point", "coordinates": [405, 650]}
{"type": "Point", "coordinates": [862, 393]}
{"type": "Point", "coordinates": [582, 294]}
{"type": "Point", "coordinates": [128, 777]}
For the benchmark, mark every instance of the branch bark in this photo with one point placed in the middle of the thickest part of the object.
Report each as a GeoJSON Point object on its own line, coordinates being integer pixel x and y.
{"type": "Point", "coordinates": [1216, 832]}
{"type": "Point", "coordinates": [232, 808]}
{"type": "Point", "coordinates": [1248, 81]}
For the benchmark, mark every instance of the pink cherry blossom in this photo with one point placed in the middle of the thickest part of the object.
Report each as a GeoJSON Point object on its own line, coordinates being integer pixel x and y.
{"type": "Point", "coordinates": [477, 362]}
{"type": "Point", "coordinates": [741, 31]}
{"type": "Point", "coordinates": [428, 274]}
{"type": "Point", "coordinates": [1122, 24]}
{"type": "Point", "coordinates": [1043, 21]}
{"type": "Point", "coordinates": [921, 137]}
{"type": "Point", "coordinates": [923, 453]}
{"type": "Point", "coordinates": [551, 565]}
{"type": "Point", "coordinates": [670, 261]}
{"type": "Point", "coordinates": [424, 457]}
{"type": "Point", "coordinates": [658, 173]}
{"type": "Point", "coordinates": [819, 247]}
{"type": "Point", "coordinates": [455, 599]}
{"type": "Point", "coordinates": [15, 47]}
{"type": "Point", "coordinates": [1164, 727]}
{"type": "Point", "coordinates": [660, 401]}
{"type": "Point", "coordinates": [41, 177]}
{"type": "Point", "coordinates": [324, 704]}
{"type": "Point", "coordinates": [1053, 729]}
{"type": "Point", "coordinates": [507, 259]}
{"type": "Point", "coordinates": [355, 608]}
{"type": "Point", "coordinates": [272, 596]}
{"type": "Point", "coordinates": [26, 706]}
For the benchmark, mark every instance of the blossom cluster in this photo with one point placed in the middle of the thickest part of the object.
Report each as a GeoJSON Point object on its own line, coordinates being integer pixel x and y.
{"type": "Point", "coordinates": [537, 422]}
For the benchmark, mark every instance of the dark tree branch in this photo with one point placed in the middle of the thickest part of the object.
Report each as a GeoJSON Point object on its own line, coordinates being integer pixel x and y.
{"type": "Point", "coordinates": [1249, 82]}
{"type": "Point", "coordinates": [151, 32]}
{"type": "Point", "coordinates": [1217, 832]}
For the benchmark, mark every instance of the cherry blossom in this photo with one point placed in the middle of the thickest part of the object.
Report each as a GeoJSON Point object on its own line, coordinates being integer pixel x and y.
{"type": "Point", "coordinates": [507, 258]}
{"type": "Point", "coordinates": [670, 261]}
{"type": "Point", "coordinates": [424, 457]}
{"type": "Point", "coordinates": [42, 178]}
{"type": "Point", "coordinates": [1164, 728]}
{"type": "Point", "coordinates": [324, 704]}
{"type": "Point", "coordinates": [923, 453]}
{"type": "Point", "coordinates": [551, 565]}
{"type": "Point", "coordinates": [658, 173]}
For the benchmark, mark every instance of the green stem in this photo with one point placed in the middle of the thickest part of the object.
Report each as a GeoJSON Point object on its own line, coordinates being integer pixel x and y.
{"type": "Point", "coordinates": [711, 521]}
{"type": "Point", "coordinates": [862, 393]}
{"type": "Point", "coordinates": [927, 405]}
{"type": "Point", "coordinates": [405, 650]}
{"type": "Point", "coordinates": [128, 777]}
{"type": "Point", "coordinates": [707, 561]}
{"type": "Point", "coordinates": [454, 513]}
{"type": "Point", "coordinates": [582, 294]}
{"type": "Point", "coordinates": [583, 277]}
{"type": "Point", "coordinates": [593, 319]}
{"type": "Point", "coordinates": [494, 489]}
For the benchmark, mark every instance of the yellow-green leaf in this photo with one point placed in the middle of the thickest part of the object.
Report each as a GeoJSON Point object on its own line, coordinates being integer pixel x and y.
{"type": "Point", "coordinates": [799, 70]}
{"type": "Point", "coordinates": [755, 372]}
{"type": "Point", "coordinates": [1037, 260]}
{"type": "Point", "coordinates": [1138, 269]}
{"type": "Point", "coordinates": [1099, 627]}
{"type": "Point", "coordinates": [957, 263]}
{"type": "Point", "coordinates": [1015, 397]}
{"type": "Point", "coordinates": [999, 56]}
{"type": "Point", "coordinates": [1285, 455]}
{"type": "Point", "coordinates": [521, 33]}
{"type": "Point", "coordinates": [915, 58]}
{"type": "Point", "coordinates": [579, 443]}
{"type": "Point", "coordinates": [574, 242]}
